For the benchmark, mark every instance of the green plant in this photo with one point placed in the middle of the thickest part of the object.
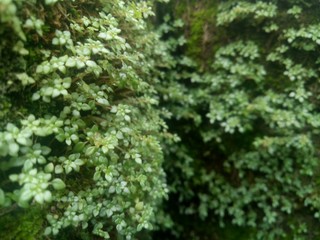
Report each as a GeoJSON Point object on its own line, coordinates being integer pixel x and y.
{"type": "Point", "coordinates": [248, 121]}
{"type": "Point", "coordinates": [79, 130]}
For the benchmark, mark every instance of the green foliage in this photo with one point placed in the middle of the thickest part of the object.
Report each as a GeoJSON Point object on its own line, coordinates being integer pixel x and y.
{"type": "Point", "coordinates": [248, 122]}
{"type": "Point", "coordinates": [79, 131]}
{"type": "Point", "coordinates": [22, 225]}
{"type": "Point", "coordinates": [82, 137]}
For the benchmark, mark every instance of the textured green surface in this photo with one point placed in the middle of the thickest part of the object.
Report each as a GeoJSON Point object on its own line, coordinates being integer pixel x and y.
{"type": "Point", "coordinates": [79, 127]}
{"type": "Point", "coordinates": [22, 225]}
{"type": "Point", "coordinates": [246, 110]}
{"type": "Point", "coordinates": [82, 134]}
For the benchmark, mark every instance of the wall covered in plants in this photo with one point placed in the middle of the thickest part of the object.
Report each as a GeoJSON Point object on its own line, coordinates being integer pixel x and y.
{"type": "Point", "coordinates": [243, 92]}
{"type": "Point", "coordinates": [148, 120]}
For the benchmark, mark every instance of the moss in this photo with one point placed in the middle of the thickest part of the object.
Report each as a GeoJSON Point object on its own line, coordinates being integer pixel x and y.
{"type": "Point", "coordinates": [231, 232]}
{"type": "Point", "coordinates": [200, 32]}
{"type": "Point", "coordinates": [22, 225]}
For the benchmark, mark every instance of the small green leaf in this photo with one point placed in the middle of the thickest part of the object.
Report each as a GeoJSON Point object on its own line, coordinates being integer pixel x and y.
{"type": "Point", "coordinates": [49, 168]}
{"type": "Point", "coordinates": [78, 147]}
{"type": "Point", "coordinates": [71, 62]}
{"type": "Point", "coordinates": [58, 184]}
{"type": "Point", "coordinates": [90, 151]}
{"type": "Point", "coordinates": [13, 148]}
{"type": "Point", "coordinates": [47, 231]}
{"type": "Point", "coordinates": [58, 169]}
{"type": "Point", "coordinates": [2, 197]}
{"type": "Point", "coordinates": [26, 195]}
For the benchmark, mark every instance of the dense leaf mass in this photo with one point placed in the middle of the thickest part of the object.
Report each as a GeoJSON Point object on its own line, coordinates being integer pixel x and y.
{"type": "Point", "coordinates": [79, 131]}
{"type": "Point", "coordinates": [92, 100]}
{"type": "Point", "coordinates": [245, 103]}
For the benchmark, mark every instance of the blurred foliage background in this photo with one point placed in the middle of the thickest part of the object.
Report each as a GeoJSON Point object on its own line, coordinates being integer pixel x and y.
{"type": "Point", "coordinates": [241, 86]}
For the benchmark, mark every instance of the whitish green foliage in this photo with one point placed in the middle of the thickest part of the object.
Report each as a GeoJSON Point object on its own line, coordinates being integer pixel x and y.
{"type": "Point", "coordinates": [79, 132]}
{"type": "Point", "coordinates": [249, 124]}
